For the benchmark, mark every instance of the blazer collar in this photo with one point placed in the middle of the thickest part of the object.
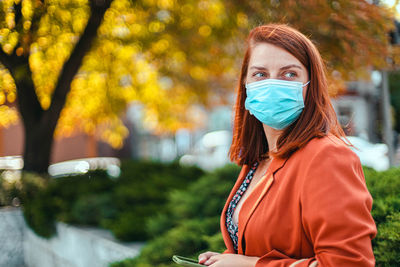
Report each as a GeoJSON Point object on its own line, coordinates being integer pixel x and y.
{"type": "Point", "coordinates": [255, 197]}
{"type": "Point", "coordinates": [276, 164]}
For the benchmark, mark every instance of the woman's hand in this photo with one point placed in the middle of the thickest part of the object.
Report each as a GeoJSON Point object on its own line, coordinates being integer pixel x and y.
{"type": "Point", "coordinates": [205, 257]}
{"type": "Point", "coordinates": [214, 259]}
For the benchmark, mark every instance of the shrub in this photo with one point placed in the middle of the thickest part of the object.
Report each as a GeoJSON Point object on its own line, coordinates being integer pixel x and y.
{"type": "Point", "coordinates": [122, 205]}
{"type": "Point", "coordinates": [142, 191]}
{"type": "Point", "coordinates": [385, 189]}
{"type": "Point", "coordinates": [93, 209]}
{"type": "Point", "coordinates": [387, 242]}
{"type": "Point", "coordinates": [190, 223]}
{"type": "Point", "coordinates": [39, 212]}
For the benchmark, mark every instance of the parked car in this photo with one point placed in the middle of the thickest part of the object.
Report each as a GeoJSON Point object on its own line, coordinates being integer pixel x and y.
{"type": "Point", "coordinates": [81, 166]}
{"type": "Point", "coordinates": [371, 155]}
{"type": "Point", "coordinates": [10, 168]}
{"type": "Point", "coordinates": [210, 152]}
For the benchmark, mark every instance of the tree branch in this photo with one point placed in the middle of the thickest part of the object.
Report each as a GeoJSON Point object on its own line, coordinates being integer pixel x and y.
{"type": "Point", "coordinates": [6, 60]}
{"type": "Point", "coordinates": [18, 13]}
{"type": "Point", "coordinates": [72, 65]}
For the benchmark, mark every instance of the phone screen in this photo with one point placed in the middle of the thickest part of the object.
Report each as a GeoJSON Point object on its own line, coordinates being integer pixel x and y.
{"type": "Point", "coordinates": [187, 262]}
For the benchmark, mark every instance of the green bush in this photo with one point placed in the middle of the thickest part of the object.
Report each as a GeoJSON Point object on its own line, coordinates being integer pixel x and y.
{"type": "Point", "coordinates": [387, 242]}
{"type": "Point", "coordinates": [122, 205]}
{"type": "Point", "coordinates": [385, 189]}
{"type": "Point", "coordinates": [93, 209]}
{"type": "Point", "coordinates": [38, 209]}
{"type": "Point", "coordinates": [190, 223]}
{"type": "Point", "coordinates": [142, 191]}
{"type": "Point", "coordinates": [77, 198]}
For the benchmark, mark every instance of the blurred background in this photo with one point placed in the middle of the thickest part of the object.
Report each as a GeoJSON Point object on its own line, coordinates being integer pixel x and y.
{"type": "Point", "coordinates": [127, 90]}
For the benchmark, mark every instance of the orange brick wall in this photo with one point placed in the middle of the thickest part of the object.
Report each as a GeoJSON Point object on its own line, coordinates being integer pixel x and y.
{"type": "Point", "coordinates": [12, 140]}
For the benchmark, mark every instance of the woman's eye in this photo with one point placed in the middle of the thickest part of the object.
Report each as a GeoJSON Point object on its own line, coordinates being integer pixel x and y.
{"type": "Point", "coordinates": [290, 74]}
{"type": "Point", "coordinates": [259, 74]}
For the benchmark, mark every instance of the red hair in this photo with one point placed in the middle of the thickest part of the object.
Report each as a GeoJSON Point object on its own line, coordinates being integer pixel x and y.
{"type": "Point", "coordinates": [318, 118]}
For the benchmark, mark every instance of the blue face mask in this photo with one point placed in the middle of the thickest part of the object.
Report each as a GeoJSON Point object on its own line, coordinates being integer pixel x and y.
{"type": "Point", "coordinates": [276, 103]}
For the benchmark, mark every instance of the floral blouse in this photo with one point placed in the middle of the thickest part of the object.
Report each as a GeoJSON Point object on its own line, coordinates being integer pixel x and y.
{"type": "Point", "coordinates": [230, 225]}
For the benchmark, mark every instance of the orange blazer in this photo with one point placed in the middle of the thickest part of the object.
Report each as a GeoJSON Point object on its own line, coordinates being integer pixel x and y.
{"type": "Point", "coordinates": [312, 209]}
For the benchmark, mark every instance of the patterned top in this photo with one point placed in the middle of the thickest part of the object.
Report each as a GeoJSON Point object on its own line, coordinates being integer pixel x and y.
{"type": "Point", "coordinates": [230, 224]}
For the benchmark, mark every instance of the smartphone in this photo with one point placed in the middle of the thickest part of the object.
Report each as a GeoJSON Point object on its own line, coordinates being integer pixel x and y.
{"type": "Point", "coordinates": [187, 262]}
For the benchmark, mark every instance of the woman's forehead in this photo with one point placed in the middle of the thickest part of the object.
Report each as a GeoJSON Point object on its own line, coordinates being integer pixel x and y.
{"type": "Point", "coordinates": [267, 55]}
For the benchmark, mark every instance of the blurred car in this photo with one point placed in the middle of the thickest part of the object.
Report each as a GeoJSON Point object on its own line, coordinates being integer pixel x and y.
{"type": "Point", "coordinates": [371, 155]}
{"type": "Point", "coordinates": [10, 168]}
{"type": "Point", "coordinates": [210, 152]}
{"type": "Point", "coordinates": [81, 166]}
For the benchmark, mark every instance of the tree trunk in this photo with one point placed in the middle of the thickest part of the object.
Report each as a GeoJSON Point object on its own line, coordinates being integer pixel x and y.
{"type": "Point", "coordinates": [37, 149]}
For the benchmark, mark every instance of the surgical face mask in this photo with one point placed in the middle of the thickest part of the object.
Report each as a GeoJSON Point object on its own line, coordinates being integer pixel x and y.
{"type": "Point", "coordinates": [276, 103]}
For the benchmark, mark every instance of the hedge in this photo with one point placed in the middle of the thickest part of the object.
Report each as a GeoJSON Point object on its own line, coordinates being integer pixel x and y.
{"type": "Point", "coordinates": [385, 189]}
{"type": "Point", "coordinates": [121, 205]}
{"type": "Point", "coordinates": [190, 223]}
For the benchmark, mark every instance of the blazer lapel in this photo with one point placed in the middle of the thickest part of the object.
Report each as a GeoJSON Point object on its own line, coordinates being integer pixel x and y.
{"type": "Point", "coordinates": [254, 199]}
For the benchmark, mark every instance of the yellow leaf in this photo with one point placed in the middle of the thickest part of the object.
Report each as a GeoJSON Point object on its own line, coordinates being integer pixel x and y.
{"type": "Point", "coordinates": [205, 30]}
{"type": "Point", "coordinates": [2, 98]}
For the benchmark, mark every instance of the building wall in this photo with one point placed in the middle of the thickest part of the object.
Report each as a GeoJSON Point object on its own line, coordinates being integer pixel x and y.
{"type": "Point", "coordinates": [71, 148]}
{"type": "Point", "coordinates": [12, 140]}
{"type": "Point", "coordinates": [78, 146]}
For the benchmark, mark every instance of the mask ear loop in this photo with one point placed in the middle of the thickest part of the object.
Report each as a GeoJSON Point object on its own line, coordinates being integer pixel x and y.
{"type": "Point", "coordinates": [301, 95]}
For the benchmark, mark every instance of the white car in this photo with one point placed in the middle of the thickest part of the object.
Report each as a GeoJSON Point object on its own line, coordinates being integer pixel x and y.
{"type": "Point", "coordinates": [81, 166]}
{"type": "Point", "coordinates": [210, 152]}
{"type": "Point", "coordinates": [371, 155]}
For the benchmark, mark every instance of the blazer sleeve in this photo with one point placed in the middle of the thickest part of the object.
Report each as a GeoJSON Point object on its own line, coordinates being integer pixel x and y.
{"type": "Point", "coordinates": [336, 212]}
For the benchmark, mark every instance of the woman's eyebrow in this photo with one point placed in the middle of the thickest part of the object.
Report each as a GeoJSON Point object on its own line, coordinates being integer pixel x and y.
{"type": "Point", "coordinates": [290, 66]}
{"type": "Point", "coordinates": [258, 67]}
{"type": "Point", "coordinates": [282, 68]}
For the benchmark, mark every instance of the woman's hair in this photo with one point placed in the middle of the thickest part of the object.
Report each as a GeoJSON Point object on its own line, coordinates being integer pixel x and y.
{"type": "Point", "coordinates": [249, 143]}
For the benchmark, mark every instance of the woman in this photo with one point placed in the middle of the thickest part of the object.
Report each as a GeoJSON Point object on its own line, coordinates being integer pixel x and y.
{"type": "Point", "coordinates": [301, 198]}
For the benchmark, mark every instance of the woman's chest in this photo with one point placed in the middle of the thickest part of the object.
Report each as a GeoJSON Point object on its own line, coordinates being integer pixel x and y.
{"type": "Point", "coordinates": [272, 218]}
{"type": "Point", "coordinates": [244, 191]}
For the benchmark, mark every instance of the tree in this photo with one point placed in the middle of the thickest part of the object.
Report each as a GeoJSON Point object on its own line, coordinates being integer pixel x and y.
{"type": "Point", "coordinates": [39, 123]}
{"type": "Point", "coordinates": [76, 66]}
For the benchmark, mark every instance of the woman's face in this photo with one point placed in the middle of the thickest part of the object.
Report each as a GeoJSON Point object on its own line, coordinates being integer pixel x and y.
{"type": "Point", "coordinates": [268, 61]}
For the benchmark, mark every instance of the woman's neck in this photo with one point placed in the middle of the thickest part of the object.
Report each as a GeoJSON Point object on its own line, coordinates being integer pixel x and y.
{"type": "Point", "coordinates": [272, 137]}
